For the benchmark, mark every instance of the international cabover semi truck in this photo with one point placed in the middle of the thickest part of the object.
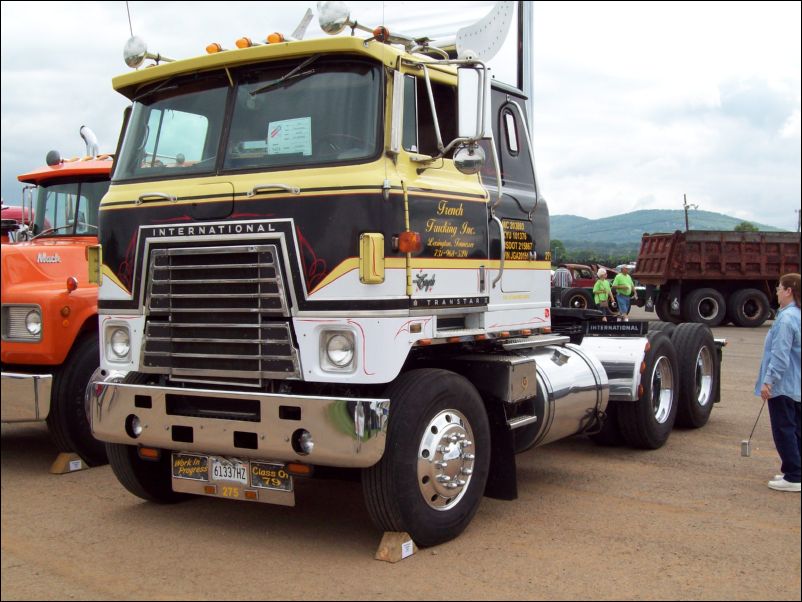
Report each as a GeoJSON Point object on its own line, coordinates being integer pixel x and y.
{"type": "Point", "coordinates": [334, 253]}
{"type": "Point", "coordinates": [49, 309]}
{"type": "Point", "coordinates": [710, 277]}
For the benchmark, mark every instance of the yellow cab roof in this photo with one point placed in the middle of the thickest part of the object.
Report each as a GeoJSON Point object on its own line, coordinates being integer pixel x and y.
{"type": "Point", "coordinates": [129, 83]}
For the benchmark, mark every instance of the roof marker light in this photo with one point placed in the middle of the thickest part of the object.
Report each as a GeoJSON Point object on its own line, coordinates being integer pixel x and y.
{"type": "Point", "coordinates": [214, 48]}
{"type": "Point", "coordinates": [275, 38]}
{"type": "Point", "coordinates": [244, 42]}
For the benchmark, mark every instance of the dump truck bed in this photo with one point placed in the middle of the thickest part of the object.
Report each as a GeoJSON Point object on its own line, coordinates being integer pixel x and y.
{"type": "Point", "coordinates": [717, 255]}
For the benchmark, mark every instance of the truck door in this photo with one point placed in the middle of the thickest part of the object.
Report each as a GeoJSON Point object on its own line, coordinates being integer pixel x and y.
{"type": "Point", "coordinates": [447, 208]}
{"type": "Point", "coordinates": [517, 209]}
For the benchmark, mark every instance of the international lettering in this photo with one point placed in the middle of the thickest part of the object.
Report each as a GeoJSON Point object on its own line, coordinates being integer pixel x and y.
{"type": "Point", "coordinates": [214, 229]}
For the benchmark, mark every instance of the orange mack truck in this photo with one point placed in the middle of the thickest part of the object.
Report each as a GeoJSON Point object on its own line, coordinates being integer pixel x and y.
{"type": "Point", "coordinates": [49, 309]}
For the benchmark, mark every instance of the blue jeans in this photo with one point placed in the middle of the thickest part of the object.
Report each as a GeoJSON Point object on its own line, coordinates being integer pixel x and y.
{"type": "Point", "coordinates": [785, 428]}
{"type": "Point", "coordinates": [623, 304]}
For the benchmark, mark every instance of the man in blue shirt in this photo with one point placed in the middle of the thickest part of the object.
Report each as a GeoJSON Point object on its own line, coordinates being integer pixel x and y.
{"type": "Point", "coordinates": [779, 383]}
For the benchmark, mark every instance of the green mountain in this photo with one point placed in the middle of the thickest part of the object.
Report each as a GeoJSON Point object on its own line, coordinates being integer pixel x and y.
{"type": "Point", "coordinates": [626, 229]}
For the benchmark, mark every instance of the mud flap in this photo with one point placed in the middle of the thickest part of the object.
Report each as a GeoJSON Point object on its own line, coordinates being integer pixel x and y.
{"type": "Point", "coordinates": [502, 480]}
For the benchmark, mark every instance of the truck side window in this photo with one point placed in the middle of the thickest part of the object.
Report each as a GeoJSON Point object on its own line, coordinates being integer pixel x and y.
{"type": "Point", "coordinates": [445, 102]}
{"type": "Point", "coordinates": [410, 127]}
{"type": "Point", "coordinates": [511, 131]}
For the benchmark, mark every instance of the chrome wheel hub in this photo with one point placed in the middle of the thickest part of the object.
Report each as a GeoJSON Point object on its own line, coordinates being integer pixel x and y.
{"type": "Point", "coordinates": [662, 389]}
{"type": "Point", "coordinates": [704, 377]}
{"type": "Point", "coordinates": [446, 457]}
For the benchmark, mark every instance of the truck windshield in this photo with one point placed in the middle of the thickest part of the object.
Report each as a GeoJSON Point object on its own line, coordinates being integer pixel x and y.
{"type": "Point", "coordinates": [329, 112]}
{"type": "Point", "coordinates": [68, 209]}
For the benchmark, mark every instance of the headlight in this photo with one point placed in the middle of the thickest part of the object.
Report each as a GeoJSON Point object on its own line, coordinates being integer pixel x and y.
{"type": "Point", "coordinates": [119, 343]}
{"type": "Point", "coordinates": [339, 350]}
{"type": "Point", "coordinates": [33, 322]}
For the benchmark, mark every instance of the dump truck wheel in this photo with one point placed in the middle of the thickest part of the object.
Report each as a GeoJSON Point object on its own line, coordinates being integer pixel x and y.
{"type": "Point", "coordinates": [432, 476]}
{"type": "Point", "coordinates": [698, 374]}
{"type": "Point", "coordinates": [705, 306]}
{"type": "Point", "coordinates": [663, 310]}
{"type": "Point", "coordinates": [647, 422]}
{"type": "Point", "coordinates": [748, 308]}
{"type": "Point", "coordinates": [577, 298]}
{"type": "Point", "coordinates": [68, 419]}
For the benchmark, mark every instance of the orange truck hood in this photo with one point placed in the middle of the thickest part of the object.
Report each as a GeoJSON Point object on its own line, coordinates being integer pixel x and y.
{"type": "Point", "coordinates": [36, 272]}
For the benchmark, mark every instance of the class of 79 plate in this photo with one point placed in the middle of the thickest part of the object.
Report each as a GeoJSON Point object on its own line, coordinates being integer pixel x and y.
{"type": "Point", "coordinates": [232, 478]}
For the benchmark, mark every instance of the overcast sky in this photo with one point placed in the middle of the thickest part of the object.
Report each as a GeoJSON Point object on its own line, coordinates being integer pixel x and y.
{"type": "Point", "coordinates": [635, 103]}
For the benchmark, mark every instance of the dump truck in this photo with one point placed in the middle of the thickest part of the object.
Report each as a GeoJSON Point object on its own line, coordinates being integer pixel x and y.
{"type": "Point", "coordinates": [49, 309]}
{"type": "Point", "coordinates": [710, 277]}
{"type": "Point", "coordinates": [309, 258]}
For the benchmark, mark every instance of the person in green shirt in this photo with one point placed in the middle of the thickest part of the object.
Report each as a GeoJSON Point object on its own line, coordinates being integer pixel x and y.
{"type": "Point", "coordinates": [624, 291]}
{"type": "Point", "coordinates": [602, 293]}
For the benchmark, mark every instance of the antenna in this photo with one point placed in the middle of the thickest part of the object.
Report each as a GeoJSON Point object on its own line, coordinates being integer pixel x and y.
{"type": "Point", "coordinates": [130, 26]}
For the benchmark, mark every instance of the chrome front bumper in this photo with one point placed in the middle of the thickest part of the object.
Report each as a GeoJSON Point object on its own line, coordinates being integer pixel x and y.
{"type": "Point", "coordinates": [25, 397]}
{"type": "Point", "coordinates": [346, 432]}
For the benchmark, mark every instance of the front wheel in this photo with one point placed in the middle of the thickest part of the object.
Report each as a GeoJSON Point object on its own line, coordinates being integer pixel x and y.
{"type": "Point", "coordinates": [432, 476]}
{"type": "Point", "coordinates": [68, 420]}
{"type": "Point", "coordinates": [148, 479]}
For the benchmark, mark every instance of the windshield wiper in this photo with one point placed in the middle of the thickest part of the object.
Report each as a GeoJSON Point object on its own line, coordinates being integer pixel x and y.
{"type": "Point", "coordinates": [52, 230]}
{"type": "Point", "coordinates": [160, 88]}
{"type": "Point", "coordinates": [292, 75]}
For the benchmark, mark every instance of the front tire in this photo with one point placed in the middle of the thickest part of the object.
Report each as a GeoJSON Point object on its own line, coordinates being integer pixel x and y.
{"type": "Point", "coordinates": [147, 479]}
{"type": "Point", "coordinates": [647, 422]}
{"type": "Point", "coordinates": [432, 476]}
{"type": "Point", "coordinates": [68, 420]}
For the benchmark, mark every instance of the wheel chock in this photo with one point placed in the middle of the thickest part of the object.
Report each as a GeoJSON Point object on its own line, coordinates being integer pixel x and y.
{"type": "Point", "coordinates": [67, 462]}
{"type": "Point", "coordinates": [395, 546]}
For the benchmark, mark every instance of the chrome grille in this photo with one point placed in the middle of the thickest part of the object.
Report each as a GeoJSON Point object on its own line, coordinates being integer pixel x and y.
{"type": "Point", "coordinates": [212, 315]}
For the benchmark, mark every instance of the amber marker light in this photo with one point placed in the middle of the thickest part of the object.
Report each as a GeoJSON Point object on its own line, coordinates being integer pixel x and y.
{"type": "Point", "coordinates": [425, 342]}
{"type": "Point", "coordinates": [210, 489]}
{"type": "Point", "coordinates": [65, 311]}
{"type": "Point", "coordinates": [214, 47]}
{"type": "Point", "coordinates": [244, 42]}
{"type": "Point", "coordinates": [275, 38]}
{"type": "Point", "coordinates": [299, 470]}
{"type": "Point", "coordinates": [149, 453]}
{"type": "Point", "coordinates": [381, 34]}
{"type": "Point", "coordinates": [251, 495]}
{"type": "Point", "coordinates": [526, 332]}
{"type": "Point", "coordinates": [409, 242]}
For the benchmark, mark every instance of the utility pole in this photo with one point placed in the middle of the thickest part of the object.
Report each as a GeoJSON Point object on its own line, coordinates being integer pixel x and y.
{"type": "Point", "coordinates": [686, 206]}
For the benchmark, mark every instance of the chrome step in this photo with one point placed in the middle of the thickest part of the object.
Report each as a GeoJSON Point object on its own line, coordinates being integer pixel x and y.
{"type": "Point", "coordinates": [520, 421]}
{"type": "Point", "coordinates": [540, 340]}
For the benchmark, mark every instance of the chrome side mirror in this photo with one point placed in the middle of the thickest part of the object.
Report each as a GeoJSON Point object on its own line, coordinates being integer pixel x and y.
{"type": "Point", "coordinates": [469, 159]}
{"type": "Point", "coordinates": [474, 102]}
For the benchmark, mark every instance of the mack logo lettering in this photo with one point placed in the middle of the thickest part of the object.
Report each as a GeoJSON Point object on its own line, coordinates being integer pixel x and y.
{"type": "Point", "coordinates": [217, 229]}
{"type": "Point", "coordinates": [45, 258]}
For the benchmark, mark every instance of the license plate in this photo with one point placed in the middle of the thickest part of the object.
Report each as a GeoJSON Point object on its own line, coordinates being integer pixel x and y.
{"type": "Point", "coordinates": [229, 469]}
{"type": "Point", "coordinates": [265, 475]}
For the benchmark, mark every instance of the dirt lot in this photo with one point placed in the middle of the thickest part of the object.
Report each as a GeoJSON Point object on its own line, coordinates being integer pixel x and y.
{"type": "Point", "coordinates": [693, 520]}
